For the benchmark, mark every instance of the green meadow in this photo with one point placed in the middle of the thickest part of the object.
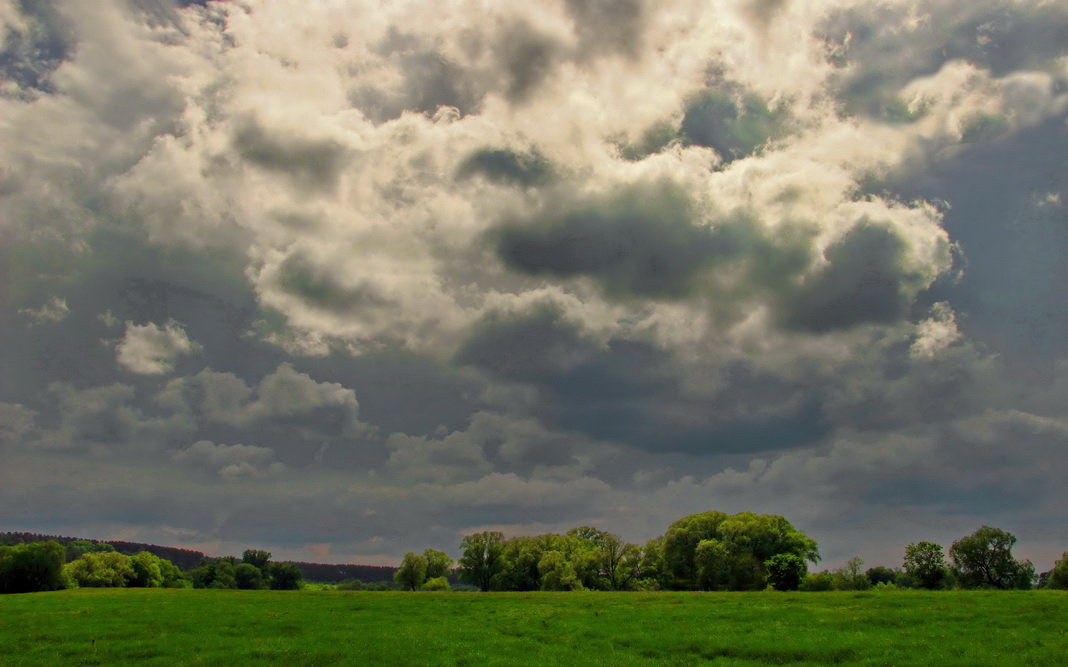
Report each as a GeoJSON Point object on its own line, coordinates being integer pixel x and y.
{"type": "Point", "coordinates": [108, 626]}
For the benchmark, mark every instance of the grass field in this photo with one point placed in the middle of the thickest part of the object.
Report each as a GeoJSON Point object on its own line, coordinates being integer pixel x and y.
{"type": "Point", "coordinates": [105, 626]}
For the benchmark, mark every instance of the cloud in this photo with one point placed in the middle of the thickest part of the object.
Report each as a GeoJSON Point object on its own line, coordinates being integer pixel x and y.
{"type": "Point", "coordinates": [151, 350]}
{"type": "Point", "coordinates": [602, 262]}
{"type": "Point", "coordinates": [230, 461]}
{"type": "Point", "coordinates": [54, 311]}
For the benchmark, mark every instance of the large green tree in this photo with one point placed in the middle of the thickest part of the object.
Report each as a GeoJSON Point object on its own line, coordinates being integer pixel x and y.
{"type": "Point", "coordinates": [285, 577]}
{"type": "Point", "coordinates": [480, 560]}
{"type": "Point", "coordinates": [438, 563]}
{"type": "Point", "coordinates": [411, 574]}
{"type": "Point", "coordinates": [257, 558]}
{"type": "Point", "coordinates": [786, 571]}
{"type": "Point", "coordinates": [32, 567]}
{"type": "Point", "coordinates": [738, 546]}
{"type": "Point", "coordinates": [984, 560]}
{"type": "Point", "coordinates": [101, 569]}
{"type": "Point", "coordinates": [1058, 576]}
{"type": "Point", "coordinates": [925, 562]}
{"type": "Point", "coordinates": [248, 576]}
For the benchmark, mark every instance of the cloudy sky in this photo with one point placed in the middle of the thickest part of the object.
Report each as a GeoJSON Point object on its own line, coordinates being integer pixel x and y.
{"type": "Point", "coordinates": [345, 279]}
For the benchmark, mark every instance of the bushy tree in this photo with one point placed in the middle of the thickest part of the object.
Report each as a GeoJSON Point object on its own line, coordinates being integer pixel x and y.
{"type": "Point", "coordinates": [147, 572]}
{"type": "Point", "coordinates": [1058, 576]}
{"type": "Point", "coordinates": [214, 573]}
{"type": "Point", "coordinates": [556, 573]}
{"type": "Point", "coordinates": [713, 565]}
{"type": "Point", "coordinates": [32, 567]}
{"type": "Point", "coordinates": [603, 560]}
{"type": "Point", "coordinates": [925, 562]}
{"type": "Point", "coordinates": [651, 566]}
{"type": "Point", "coordinates": [881, 575]}
{"type": "Point", "coordinates": [480, 560]}
{"type": "Point", "coordinates": [984, 560]}
{"type": "Point", "coordinates": [248, 576]}
{"type": "Point", "coordinates": [257, 558]}
{"type": "Point", "coordinates": [438, 564]}
{"type": "Point", "coordinates": [747, 541]}
{"type": "Point", "coordinates": [786, 571]}
{"type": "Point", "coordinates": [101, 569]}
{"type": "Point", "coordinates": [411, 574]}
{"type": "Point", "coordinates": [285, 577]}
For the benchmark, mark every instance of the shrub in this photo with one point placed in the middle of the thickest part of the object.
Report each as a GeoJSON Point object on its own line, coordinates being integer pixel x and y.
{"type": "Point", "coordinates": [437, 584]}
{"type": "Point", "coordinates": [819, 581]}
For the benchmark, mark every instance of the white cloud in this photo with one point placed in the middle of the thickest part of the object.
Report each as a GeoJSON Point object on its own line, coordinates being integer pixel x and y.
{"type": "Point", "coordinates": [149, 349]}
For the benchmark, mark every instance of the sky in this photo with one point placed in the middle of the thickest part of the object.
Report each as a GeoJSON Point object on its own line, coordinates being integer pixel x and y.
{"type": "Point", "coordinates": [346, 279]}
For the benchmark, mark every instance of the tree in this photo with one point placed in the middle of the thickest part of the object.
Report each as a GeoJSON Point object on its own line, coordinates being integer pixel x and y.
{"type": "Point", "coordinates": [438, 564]}
{"type": "Point", "coordinates": [748, 540]}
{"type": "Point", "coordinates": [881, 575]}
{"type": "Point", "coordinates": [680, 546]}
{"type": "Point", "coordinates": [480, 561]}
{"type": "Point", "coordinates": [101, 569]}
{"type": "Point", "coordinates": [146, 571]}
{"type": "Point", "coordinates": [248, 576]}
{"type": "Point", "coordinates": [32, 567]}
{"type": "Point", "coordinates": [713, 562]}
{"type": "Point", "coordinates": [257, 558]}
{"type": "Point", "coordinates": [651, 567]}
{"type": "Point", "coordinates": [925, 562]}
{"type": "Point", "coordinates": [412, 572]}
{"type": "Point", "coordinates": [851, 577]}
{"type": "Point", "coordinates": [984, 559]}
{"type": "Point", "coordinates": [786, 571]}
{"type": "Point", "coordinates": [619, 563]}
{"type": "Point", "coordinates": [214, 573]}
{"type": "Point", "coordinates": [1058, 576]}
{"type": "Point", "coordinates": [557, 573]}
{"type": "Point", "coordinates": [285, 577]}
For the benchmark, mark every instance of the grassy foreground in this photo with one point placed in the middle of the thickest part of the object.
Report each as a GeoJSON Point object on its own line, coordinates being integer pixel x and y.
{"type": "Point", "coordinates": [105, 626]}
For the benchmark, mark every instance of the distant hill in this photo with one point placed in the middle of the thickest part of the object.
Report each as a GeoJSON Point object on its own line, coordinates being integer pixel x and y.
{"type": "Point", "coordinates": [183, 558]}
{"type": "Point", "coordinates": [187, 558]}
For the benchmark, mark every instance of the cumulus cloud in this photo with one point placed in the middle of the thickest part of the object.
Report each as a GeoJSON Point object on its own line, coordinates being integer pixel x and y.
{"type": "Point", "coordinates": [152, 350]}
{"type": "Point", "coordinates": [230, 461]}
{"type": "Point", "coordinates": [598, 261]}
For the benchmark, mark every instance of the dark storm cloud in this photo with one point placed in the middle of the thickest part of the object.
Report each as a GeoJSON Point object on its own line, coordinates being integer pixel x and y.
{"type": "Point", "coordinates": [1008, 213]}
{"type": "Point", "coordinates": [30, 54]}
{"type": "Point", "coordinates": [431, 80]}
{"type": "Point", "coordinates": [732, 122]}
{"type": "Point", "coordinates": [608, 26]}
{"type": "Point", "coordinates": [510, 167]}
{"type": "Point", "coordinates": [866, 281]}
{"type": "Point", "coordinates": [310, 163]}
{"type": "Point", "coordinates": [534, 347]}
{"type": "Point", "coordinates": [313, 284]}
{"type": "Point", "coordinates": [634, 393]}
{"type": "Point", "coordinates": [527, 57]}
{"type": "Point", "coordinates": [640, 242]}
{"type": "Point", "coordinates": [998, 35]}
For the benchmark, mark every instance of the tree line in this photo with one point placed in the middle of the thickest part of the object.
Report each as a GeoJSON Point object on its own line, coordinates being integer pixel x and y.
{"type": "Point", "coordinates": [713, 551]}
{"type": "Point", "coordinates": [48, 565]}
{"type": "Point", "coordinates": [710, 551]}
